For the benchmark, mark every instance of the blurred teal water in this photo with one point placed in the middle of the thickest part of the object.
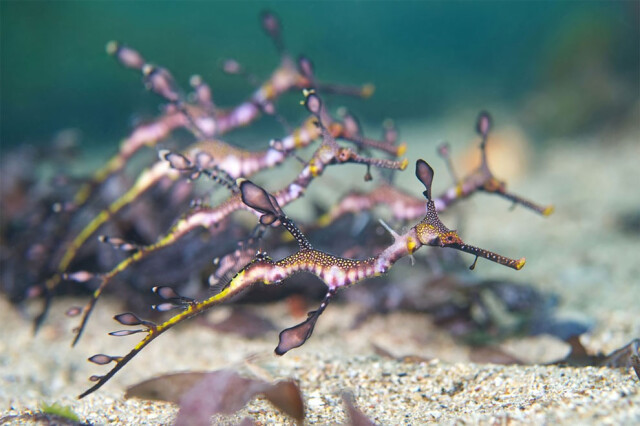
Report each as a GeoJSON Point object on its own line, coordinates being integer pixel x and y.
{"type": "Point", "coordinates": [426, 58]}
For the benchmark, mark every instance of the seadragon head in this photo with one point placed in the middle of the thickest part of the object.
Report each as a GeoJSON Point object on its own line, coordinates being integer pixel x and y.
{"type": "Point", "coordinates": [431, 231]}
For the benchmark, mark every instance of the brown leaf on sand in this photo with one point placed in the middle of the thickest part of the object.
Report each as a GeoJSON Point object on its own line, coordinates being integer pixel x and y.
{"type": "Point", "coordinates": [170, 387]}
{"type": "Point", "coordinates": [356, 417]}
{"type": "Point", "coordinates": [201, 395]}
{"type": "Point", "coordinates": [620, 358]}
{"type": "Point", "coordinates": [286, 396]}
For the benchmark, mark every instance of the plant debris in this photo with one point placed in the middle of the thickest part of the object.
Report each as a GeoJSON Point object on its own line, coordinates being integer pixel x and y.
{"type": "Point", "coordinates": [625, 357]}
{"type": "Point", "coordinates": [356, 417]}
{"type": "Point", "coordinates": [204, 394]}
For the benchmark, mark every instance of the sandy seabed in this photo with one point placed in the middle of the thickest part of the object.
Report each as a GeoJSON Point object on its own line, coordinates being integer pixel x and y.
{"type": "Point", "coordinates": [578, 253]}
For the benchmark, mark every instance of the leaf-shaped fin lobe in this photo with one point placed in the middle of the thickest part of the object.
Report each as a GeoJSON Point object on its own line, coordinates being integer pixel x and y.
{"type": "Point", "coordinates": [201, 89]}
{"type": "Point", "coordinates": [390, 132]}
{"type": "Point", "coordinates": [127, 56]}
{"type": "Point", "coordinates": [73, 311]}
{"type": "Point", "coordinates": [167, 306]}
{"type": "Point", "coordinates": [231, 66]}
{"type": "Point", "coordinates": [196, 81]}
{"type": "Point", "coordinates": [444, 149]}
{"type": "Point", "coordinates": [79, 276]}
{"type": "Point", "coordinates": [295, 336]}
{"type": "Point", "coordinates": [313, 103]}
{"type": "Point", "coordinates": [165, 292]}
{"type": "Point", "coordinates": [118, 243]}
{"type": "Point", "coordinates": [351, 124]}
{"type": "Point", "coordinates": [424, 173]}
{"type": "Point", "coordinates": [257, 198]}
{"type": "Point", "coordinates": [277, 145]}
{"type": "Point", "coordinates": [306, 67]}
{"type": "Point", "coordinates": [176, 161]}
{"type": "Point", "coordinates": [128, 318]}
{"type": "Point", "coordinates": [95, 378]}
{"type": "Point", "coordinates": [270, 23]}
{"type": "Point", "coordinates": [102, 359]}
{"type": "Point", "coordinates": [160, 81]}
{"type": "Point", "coordinates": [57, 207]}
{"type": "Point", "coordinates": [112, 47]}
{"type": "Point", "coordinates": [483, 125]}
{"type": "Point", "coordinates": [121, 333]}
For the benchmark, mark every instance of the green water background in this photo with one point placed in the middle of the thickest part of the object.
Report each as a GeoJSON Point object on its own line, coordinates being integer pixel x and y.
{"type": "Point", "coordinates": [427, 59]}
